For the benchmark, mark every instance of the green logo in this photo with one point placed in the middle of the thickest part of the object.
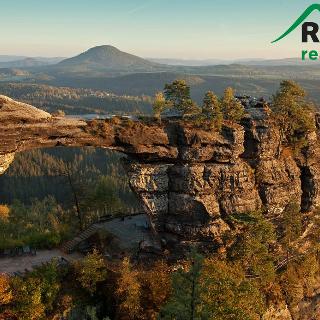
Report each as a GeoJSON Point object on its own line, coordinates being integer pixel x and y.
{"type": "Point", "coordinates": [301, 19]}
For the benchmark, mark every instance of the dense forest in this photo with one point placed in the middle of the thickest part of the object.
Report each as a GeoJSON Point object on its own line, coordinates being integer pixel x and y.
{"type": "Point", "coordinates": [39, 173]}
{"type": "Point", "coordinates": [76, 101]}
{"type": "Point", "coordinates": [61, 191]}
{"type": "Point", "coordinates": [249, 280]}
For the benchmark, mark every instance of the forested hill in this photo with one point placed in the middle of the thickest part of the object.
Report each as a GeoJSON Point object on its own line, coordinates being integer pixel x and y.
{"type": "Point", "coordinates": [75, 101]}
{"type": "Point", "coordinates": [106, 58]}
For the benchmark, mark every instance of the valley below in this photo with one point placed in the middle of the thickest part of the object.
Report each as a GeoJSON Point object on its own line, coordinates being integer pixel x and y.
{"type": "Point", "coordinates": [107, 70]}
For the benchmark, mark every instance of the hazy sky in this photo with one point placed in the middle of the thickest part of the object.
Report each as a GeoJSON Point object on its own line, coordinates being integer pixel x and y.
{"type": "Point", "coordinates": [152, 28]}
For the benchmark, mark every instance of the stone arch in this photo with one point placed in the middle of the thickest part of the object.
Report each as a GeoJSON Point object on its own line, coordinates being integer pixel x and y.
{"type": "Point", "coordinates": [187, 188]}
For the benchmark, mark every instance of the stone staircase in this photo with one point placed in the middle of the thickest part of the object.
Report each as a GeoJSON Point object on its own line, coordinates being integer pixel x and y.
{"type": "Point", "coordinates": [69, 246]}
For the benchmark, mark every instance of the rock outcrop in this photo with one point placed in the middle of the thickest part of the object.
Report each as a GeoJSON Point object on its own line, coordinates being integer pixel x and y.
{"type": "Point", "coordinates": [188, 178]}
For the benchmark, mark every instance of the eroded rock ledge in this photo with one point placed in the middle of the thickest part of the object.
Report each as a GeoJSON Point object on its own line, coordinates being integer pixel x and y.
{"type": "Point", "coordinates": [189, 179]}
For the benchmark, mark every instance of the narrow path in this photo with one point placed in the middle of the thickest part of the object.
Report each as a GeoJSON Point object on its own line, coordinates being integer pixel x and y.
{"type": "Point", "coordinates": [20, 264]}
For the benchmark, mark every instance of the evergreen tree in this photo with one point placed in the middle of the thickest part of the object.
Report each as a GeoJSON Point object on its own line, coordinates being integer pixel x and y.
{"type": "Point", "coordinates": [292, 113]}
{"type": "Point", "coordinates": [226, 293]}
{"type": "Point", "coordinates": [291, 228]}
{"type": "Point", "coordinates": [177, 95]}
{"type": "Point", "coordinates": [184, 302]}
{"type": "Point", "coordinates": [104, 197]}
{"type": "Point", "coordinates": [251, 246]}
{"type": "Point", "coordinates": [232, 109]}
{"type": "Point", "coordinates": [211, 108]}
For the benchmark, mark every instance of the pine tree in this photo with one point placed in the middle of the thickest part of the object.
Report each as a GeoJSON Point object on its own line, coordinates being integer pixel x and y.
{"type": "Point", "coordinates": [292, 113]}
{"type": "Point", "coordinates": [291, 228]}
{"type": "Point", "coordinates": [184, 302]}
{"type": "Point", "coordinates": [251, 246]}
{"type": "Point", "coordinates": [177, 95]}
{"type": "Point", "coordinates": [232, 109]}
{"type": "Point", "coordinates": [226, 293]}
{"type": "Point", "coordinates": [211, 108]}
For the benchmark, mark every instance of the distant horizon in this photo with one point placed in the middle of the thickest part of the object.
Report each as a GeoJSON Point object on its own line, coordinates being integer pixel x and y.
{"type": "Point", "coordinates": [21, 55]}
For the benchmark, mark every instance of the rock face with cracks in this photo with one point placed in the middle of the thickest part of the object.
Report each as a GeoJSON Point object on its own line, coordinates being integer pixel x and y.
{"type": "Point", "coordinates": [188, 178]}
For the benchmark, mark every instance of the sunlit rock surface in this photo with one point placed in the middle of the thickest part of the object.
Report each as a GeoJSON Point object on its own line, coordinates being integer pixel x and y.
{"type": "Point", "coordinates": [5, 161]}
{"type": "Point", "coordinates": [189, 179]}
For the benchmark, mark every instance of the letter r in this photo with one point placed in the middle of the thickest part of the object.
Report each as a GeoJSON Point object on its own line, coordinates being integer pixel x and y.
{"type": "Point", "coordinates": [310, 29]}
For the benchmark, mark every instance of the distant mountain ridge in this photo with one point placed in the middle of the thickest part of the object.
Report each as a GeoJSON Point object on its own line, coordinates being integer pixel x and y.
{"type": "Point", "coordinates": [26, 62]}
{"type": "Point", "coordinates": [245, 62]}
{"type": "Point", "coordinates": [8, 58]}
{"type": "Point", "coordinates": [106, 58]}
{"type": "Point", "coordinates": [190, 62]}
{"type": "Point", "coordinates": [109, 58]}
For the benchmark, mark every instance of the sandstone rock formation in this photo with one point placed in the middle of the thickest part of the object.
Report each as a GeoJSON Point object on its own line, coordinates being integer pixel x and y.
{"type": "Point", "coordinates": [189, 179]}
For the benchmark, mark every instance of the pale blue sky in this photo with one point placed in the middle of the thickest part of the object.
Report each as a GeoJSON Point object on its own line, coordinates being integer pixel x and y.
{"type": "Point", "coordinates": [152, 28]}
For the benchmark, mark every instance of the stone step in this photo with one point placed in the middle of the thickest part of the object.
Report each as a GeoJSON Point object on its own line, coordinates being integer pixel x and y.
{"type": "Point", "coordinates": [70, 245]}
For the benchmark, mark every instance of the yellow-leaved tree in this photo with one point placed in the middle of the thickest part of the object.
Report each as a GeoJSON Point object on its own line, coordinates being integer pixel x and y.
{"type": "Point", "coordinates": [4, 212]}
{"type": "Point", "coordinates": [5, 290]}
{"type": "Point", "coordinates": [128, 291]}
{"type": "Point", "coordinates": [91, 270]}
{"type": "Point", "coordinates": [155, 289]}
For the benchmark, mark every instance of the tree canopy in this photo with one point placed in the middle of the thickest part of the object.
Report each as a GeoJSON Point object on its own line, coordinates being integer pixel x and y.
{"type": "Point", "coordinates": [232, 109]}
{"type": "Point", "coordinates": [178, 97]}
{"type": "Point", "coordinates": [211, 108]}
{"type": "Point", "coordinates": [292, 112]}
